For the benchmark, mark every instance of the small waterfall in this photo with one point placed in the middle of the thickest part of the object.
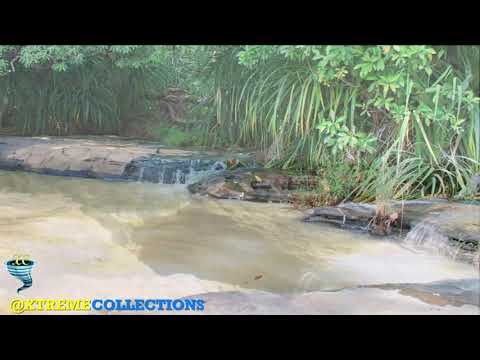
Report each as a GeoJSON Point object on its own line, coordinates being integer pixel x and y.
{"type": "Point", "coordinates": [191, 176]}
{"type": "Point", "coordinates": [171, 171]}
{"type": "Point", "coordinates": [194, 175]}
{"type": "Point", "coordinates": [425, 236]}
{"type": "Point", "coordinates": [179, 177]}
{"type": "Point", "coordinates": [140, 176]}
{"type": "Point", "coordinates": [161, 177]}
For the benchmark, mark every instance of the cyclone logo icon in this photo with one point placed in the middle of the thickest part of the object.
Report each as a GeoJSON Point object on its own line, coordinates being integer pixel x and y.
{"type": "Point", "coordinates": [21, 268]}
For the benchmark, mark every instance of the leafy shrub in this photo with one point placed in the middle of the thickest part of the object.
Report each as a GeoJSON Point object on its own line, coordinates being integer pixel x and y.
{"type": "Point", "coordinates": [66, 89]}
{"type": "Point", "coordinates": [315, 105]}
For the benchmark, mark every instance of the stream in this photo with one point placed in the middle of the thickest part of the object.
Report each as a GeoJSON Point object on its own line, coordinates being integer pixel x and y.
{"type": "Point", "coordinates": [93, 238]}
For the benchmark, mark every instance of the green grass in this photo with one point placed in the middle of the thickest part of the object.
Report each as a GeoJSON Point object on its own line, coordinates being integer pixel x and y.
{"type": "Point", "coordinates": [172, 136]}
{"type": "Point", "coordinates": [428, 142]}
{"type": "Point", "coordinates": [93, 98]}
{"type": "Point", "coordinates": [431, 151]}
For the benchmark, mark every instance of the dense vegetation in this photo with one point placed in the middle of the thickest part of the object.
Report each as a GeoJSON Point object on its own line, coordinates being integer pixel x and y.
{"type": "Point", "coordinates": [73, 89]}
{"type": "Point", "coordinates": [375, 121]}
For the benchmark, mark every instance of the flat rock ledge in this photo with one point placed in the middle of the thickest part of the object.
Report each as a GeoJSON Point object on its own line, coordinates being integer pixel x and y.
{"type": "Point", "coordinates": [110, 158]}
{"type": "Point", "coordinates": [443, 297]}
{"type": "Point", "coordinates": [456, 224]}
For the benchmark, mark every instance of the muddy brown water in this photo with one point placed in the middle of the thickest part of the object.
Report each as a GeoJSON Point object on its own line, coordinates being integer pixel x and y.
{"type": "Point", "coordinates": [169, 231]}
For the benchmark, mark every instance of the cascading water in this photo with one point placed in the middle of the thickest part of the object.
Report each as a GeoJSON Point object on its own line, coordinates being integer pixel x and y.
{"type": "Point", "coordinates": [140, 176]}
{"type": "Point", "coordinates": [194, 175]}
{"type": "Point", "coordinates": [425, 236]}
{"type": "Point", "coordinates": [171, 170]}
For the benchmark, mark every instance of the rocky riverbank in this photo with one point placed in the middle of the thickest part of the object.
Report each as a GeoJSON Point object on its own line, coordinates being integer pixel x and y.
{"type": "Point", "coordinates": [452, 228]}
{"type": "Point", "coordinates": [245, 184]}
{"type": "Point", "coordinates": [110, 158]}
{"type": "Point", "coordinates": [441, 297]}
{"type": "Point", "coordinates": [262, 185]}
{"type": "Point", "coordinates": [455, 220]}
{"type": "Point", "coordinates": [207, 173]}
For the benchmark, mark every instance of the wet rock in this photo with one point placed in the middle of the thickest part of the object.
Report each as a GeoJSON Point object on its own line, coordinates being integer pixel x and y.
{"type": "Point", "coordinates": [344, 214]}
{"type": "Point", "coordinates": [109, 158]}
{"type": "Point", "coordinates": [246, 184]}
{"type": "Point", "coordinates": [158, 169]}
{"type": "Point", "coordinates": [452, 217]}
{"type": "Point", "coordinates": [447, 292]}
{"type": "Point", "coordinates": [442, 297]}
{"type": "Point", "coordinates": [452, 225]}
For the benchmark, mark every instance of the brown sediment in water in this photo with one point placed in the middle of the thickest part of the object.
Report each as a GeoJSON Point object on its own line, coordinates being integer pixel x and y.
{"type": "Point", "coordinates": [90, 238]}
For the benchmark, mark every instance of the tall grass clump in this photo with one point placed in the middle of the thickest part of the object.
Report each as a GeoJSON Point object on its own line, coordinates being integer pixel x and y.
{"type": "Point", "coordinates": [62, 90]}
